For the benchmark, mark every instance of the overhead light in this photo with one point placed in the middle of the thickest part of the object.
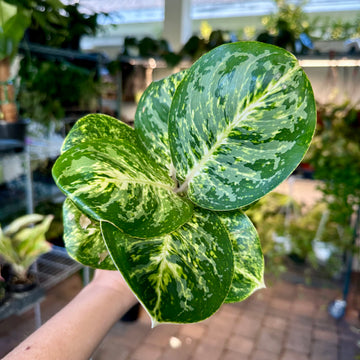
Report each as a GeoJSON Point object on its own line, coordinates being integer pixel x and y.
{"type": "Point", "coordinates": [329, 63]}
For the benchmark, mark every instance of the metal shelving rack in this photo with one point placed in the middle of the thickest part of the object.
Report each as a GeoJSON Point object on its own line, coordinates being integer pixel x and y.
{"type": "Point", "coordinates": [51, 268]}
{"type": "Point", "coordinates": [54, 267]}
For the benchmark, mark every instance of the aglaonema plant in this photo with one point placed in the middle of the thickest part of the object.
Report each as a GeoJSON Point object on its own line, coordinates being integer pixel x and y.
{"type": "Point", "coordinates": [162, 203]}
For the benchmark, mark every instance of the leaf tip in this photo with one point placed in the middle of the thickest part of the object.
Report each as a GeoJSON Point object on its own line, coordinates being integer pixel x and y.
{"type": "Point", "coordinates": [154, 322]}
{"type": "Point", "coordinates": [261, 285]}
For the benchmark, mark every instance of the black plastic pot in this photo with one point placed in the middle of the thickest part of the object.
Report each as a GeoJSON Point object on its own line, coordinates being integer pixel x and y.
{"type": "Point", "coordinates": [14, 285]}
{"type": "Point", "coordinates": [19, 287]}
{"type": "Point", "coordinates": [12, 135]}
{"type": "Point", "coordinates": [14, 131]}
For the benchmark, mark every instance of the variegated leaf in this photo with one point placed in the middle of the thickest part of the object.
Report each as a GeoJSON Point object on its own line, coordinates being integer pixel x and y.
{"type": "Point", "coordinates": [151, 118]}
{"type": "Point", "coordinates": [248, 257]}
{"type": "Point", "coordinates": [240, 122]}
{"type": "Point", "coordinates": [116, 181]}
{"type": "Point", "coordinates": [98, 126]}
{"type": "Point", "coordinates": [83, 239]}
{"type": "Point", "coordinates": [182, 277]}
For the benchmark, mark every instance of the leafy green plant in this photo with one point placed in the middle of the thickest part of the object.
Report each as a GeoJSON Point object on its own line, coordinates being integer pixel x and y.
{"type": "Point", "coordinates": [61, 29]}
{"type": "Point", "coordinates": [162, 202]}
{"type": "Point", "coordinates": [335, 156]}
{"type": "Point", "coordinates": [44, 89]}
{"type": "Point", "coordinates": [15, 18]}
{"type": "Point", "coordinates": [329, 28]}
{"type": "Point", "coordinates": [290, 230]}
{"type": "Point", "coordinates": [287, 26]}
{"type": "Point", "coordinates": [23, 241]}
{"type": "Point", "coordinates": [269, 216]}
{"type": "Point", "coordinates": [315, 239]}
{"type": "Point", "coordinates": [13, 23]}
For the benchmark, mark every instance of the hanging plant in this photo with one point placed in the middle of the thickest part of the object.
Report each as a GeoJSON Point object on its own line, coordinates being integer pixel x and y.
{"type": "Point", "coordinates": [162, 202]}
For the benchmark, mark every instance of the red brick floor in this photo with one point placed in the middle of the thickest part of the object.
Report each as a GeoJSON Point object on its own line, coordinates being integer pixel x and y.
{"type": "Point", "coordinates": [286, 321]}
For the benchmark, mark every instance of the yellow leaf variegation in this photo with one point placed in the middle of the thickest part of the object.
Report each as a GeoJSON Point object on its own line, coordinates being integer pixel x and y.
{"type": "Point", "coordinates": [151, 118]}
{"type": "Point", "coordinates": [239, 124]}
{"type": "Point", "coordinates": [248, 257]}
{"type": "Point", "coordinates": [98, 127]}
{"type": "Point", "coordinates": [181, 277]}
{"type": "Point", "coordinates": [83, 239]}
{"type": "Point", "coordinates": [162, 203]}
{"type": "Point", "coordinates": [115, 181]}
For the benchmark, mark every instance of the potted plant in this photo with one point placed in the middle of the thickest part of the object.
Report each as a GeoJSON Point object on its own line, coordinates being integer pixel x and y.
{"type": "Point", "coordinates": [334, 155]}
{"type": "Point", "coordinates": [15, 18]}
{"type": "Point", "coordinates": [46, 73]}
{"type": "Point", "coordinates": [21, 243]}
{"type": "Point", "coordinates": [13, 22]}
{"type": "Point", "coordinates": [289, 27]}
{"type": "Point", "coordinates": [162, 203]}
{"type": "Point", "coordinates": [270, 216]}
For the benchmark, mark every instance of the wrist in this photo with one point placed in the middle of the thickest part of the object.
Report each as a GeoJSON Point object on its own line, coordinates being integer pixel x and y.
{"type": "Point", "coordinates": [116, 293]}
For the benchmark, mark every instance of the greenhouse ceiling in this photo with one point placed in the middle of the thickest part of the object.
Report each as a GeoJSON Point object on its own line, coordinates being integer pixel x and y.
{"type": "Point", "coordinates": [132, 11]}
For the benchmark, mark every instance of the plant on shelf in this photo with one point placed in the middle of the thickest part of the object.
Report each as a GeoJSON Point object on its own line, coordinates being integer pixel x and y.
{"type": "Point", "coordinates": [306, 235]}
{"type": "Point", "coordinates": [316, 241]}
{"type": "Point", "coordinates": [66, 31]}
{"type": "Point", "coordinates": [162, 203]}
{"type": "Point", "coordinates": [269, 216]}
{"type": "Point", "coordinates": [15, 18]}
{"type": "Point", "coordinates": [335, 156]}
{"type": "Point", "coordinates": [44, 89]}
{"type": "Point", "coordinates": [289, 27]}
{"type": "Point", "coordinates": [13, 23]}
{"type": "Point", "coordinates": [195, 47]}
{"type": "Point", "coordinates": [329, 28]}
{"type": "Point", "coordinates": [21, 243]}
{"type": "Point", "coordinates": [45, 78]}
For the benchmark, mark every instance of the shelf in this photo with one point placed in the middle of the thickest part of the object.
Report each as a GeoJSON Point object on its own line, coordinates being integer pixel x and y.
{"type": "Point", "coordinates": [55, 266]}
{"type": "Point", "coordinates": [92, 60]}
{"type": "Point", "coordinates": [10, 146]}
{"type": "Point", "coordinates": [324, 63]}
{"type": "Point", "coordinates": [18, 303]}
{"type": "Point", "coordinates": [51, 269]}
{"type": "Point", "coordinates": [13, 198]}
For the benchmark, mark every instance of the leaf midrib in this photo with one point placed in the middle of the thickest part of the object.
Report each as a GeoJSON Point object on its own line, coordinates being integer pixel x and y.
{"type": "Point", "coordinates": [146, 182]}
{"type": "Point", "coordinates": [240, 117]}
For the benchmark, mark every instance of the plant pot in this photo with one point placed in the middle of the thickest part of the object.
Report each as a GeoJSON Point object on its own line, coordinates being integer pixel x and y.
{"type": "Point", "coordinates": [16, 285]}
{"type": "Point", "coordinates": [12, 135]}
{"type": "Point", "coordinates": [20, 286]}
{"type": "Point", "coordinates": [13, 131]}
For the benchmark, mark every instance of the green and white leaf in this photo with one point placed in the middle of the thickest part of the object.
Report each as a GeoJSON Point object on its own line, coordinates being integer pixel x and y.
{"type": "Point", "coordinates": [239, 124]}
{"type": "Point", "coordinates": [151, 118]}
{"type": "Point", "coordinates": [83, 239]}
{"type": "Point", "coordinates": [22, 222]}
{"type": "Point", "coordinates": [116, 181]}
{"type": "Point", "coordinates": [248, 256]}
{"type": "Point", "coordinates": [182, 277]}
{"type": "Point", "coordinates": [96, 127]}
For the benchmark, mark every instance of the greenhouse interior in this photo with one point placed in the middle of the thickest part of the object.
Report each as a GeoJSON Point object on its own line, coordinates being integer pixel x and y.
{"type": "Point", "coordinates": [180, 179]}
